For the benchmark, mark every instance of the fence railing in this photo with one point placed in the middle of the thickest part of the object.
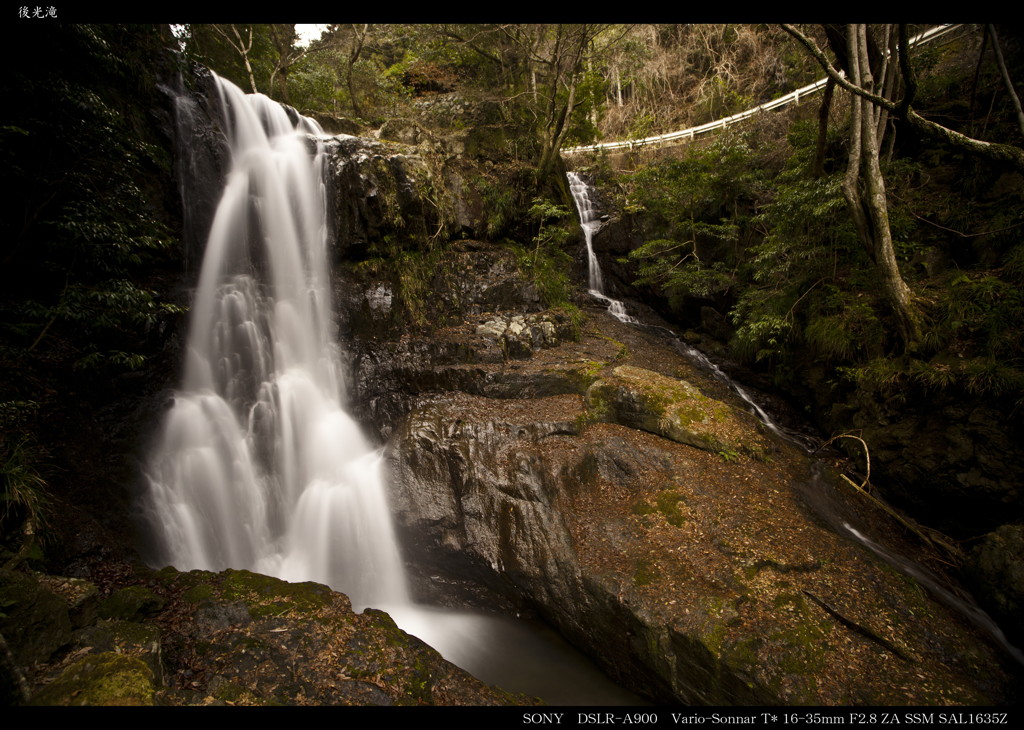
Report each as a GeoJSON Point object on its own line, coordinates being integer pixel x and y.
{"type": "Point", "coordinates": [792, 97]}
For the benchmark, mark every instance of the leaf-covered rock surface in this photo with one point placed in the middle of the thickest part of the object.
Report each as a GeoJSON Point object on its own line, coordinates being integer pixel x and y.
{"type": "Point", "coordinates": [715, 572]}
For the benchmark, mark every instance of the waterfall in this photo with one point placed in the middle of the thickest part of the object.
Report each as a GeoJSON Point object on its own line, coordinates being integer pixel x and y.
{"type": "Point", "coordinates": [258, 465]}
{"type": "Point", "coordinates": [590, 224]}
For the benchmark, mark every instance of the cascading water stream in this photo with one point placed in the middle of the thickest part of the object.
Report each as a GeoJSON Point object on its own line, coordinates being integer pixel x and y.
{"type": "Point", "coordinates": [966, 607]}
{"type": "Point", "coordinates": [590, 223]}
{"type": "Point", "coordinates": [258, 466]}
{"type": "Point", "coordinates": [821, 503]}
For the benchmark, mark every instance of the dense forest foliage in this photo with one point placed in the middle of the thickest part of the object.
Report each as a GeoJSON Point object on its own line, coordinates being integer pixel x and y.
{"type": "Point", "coordinates": [558, 84]}
{"type": "Point", "coordinates": [767, 230]}
{"type": "Point", "coordinates": [87, 243]}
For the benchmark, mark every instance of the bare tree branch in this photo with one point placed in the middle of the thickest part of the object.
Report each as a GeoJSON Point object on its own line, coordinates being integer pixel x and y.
{"type": "Point", "coordinates": [1006, 75]}
{"type": "Point", "coordinates": [990, 150]}
{"type": "Point", "coordinates": [242, 49]}
{"type": "Point", "coordinates": [834, 73]}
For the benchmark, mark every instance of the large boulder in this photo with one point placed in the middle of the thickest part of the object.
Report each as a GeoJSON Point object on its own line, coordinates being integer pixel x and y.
{"type": "Point", "coordinates": [675, 409]}
{"type": "Point", "coordinates": [244, 638]}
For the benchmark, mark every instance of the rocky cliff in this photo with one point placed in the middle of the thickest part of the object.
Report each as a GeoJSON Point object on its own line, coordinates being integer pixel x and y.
{"type": "Point", "coordinates": [592, 474]}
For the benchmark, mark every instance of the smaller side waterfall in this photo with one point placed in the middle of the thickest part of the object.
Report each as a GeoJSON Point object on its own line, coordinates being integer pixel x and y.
{"type": "Point", "coordinates": [590, 224]}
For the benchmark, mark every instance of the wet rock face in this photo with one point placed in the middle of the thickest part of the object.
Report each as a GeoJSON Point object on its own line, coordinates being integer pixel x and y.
{"type": "Point", "coordinates": [386, 300]}
{"type": "Point", "coordinates": [684, 560]}
{"type": "Point", "coordinates": [200, 158]}
{"type": "Point", "coordinates": [478, 481]}
{"type": "Point", "coordinates": [456, 323]}
{"type": "Point", "coordinates": [376, 191]}
{"type": "Point", "coordinates": [388, 197]}
{"type": "Point", "coordinates": [997, 570]}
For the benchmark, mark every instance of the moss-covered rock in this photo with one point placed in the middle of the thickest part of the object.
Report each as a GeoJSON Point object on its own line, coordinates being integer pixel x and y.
{"type": "Point", "coordinates": [675, 409]}
{"type": "Point", "coordinates": [230, 638]}
{"type": "Point", "coordinates": [242, 638]}
{"type": "Point", "coordinates": [131, 603]}
{"type": "Point", "coordinates": [107, 678]}
{"type": "Point", "coordinates": [264, 595]}
{"type": "Point", "coordinates": [33, 618]}
{"type": "Point", "coordinates": [129, 638]}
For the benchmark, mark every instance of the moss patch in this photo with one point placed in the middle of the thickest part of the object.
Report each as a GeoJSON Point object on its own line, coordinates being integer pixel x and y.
{"type": "Point", "coordinates": [198, 594]}
{"type": "Point", "coordinates": [582, 374]}
{"type": "Point", "coordinates": [266, 596]}
{"type": "Point", "coordinates": [645, 573]}
{"type": "Point", "coordinates": [669, 503]}
{"type": "Point", "coordinates": [102, 679]}
{"type": "Point", "coordinates": [718, 614]}
{"type": "Point", "coordinates": [676, 410]}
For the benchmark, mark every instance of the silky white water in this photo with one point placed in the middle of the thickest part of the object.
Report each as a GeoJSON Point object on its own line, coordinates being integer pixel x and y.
{"type": "Point", "coordinates": [257, 465]}
{"type": "Point", "coordinates": [590, 223]}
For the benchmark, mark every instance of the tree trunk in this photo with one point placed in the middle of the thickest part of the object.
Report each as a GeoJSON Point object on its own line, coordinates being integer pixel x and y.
{"type": "Point", "coordinates": [553, 142]}
{"type": "Point", "coordinates": [359, 36]}
{"type": "Point", "coordinates": [818, 166]}
{"type": "Point", "coordinates": [864, 188]}
{"type": "Point", "coordinates": [284, 87]}
{"type": "Point", "coordinates": [244, 51]}
{"type": "Point", "coordinates": [1006, 76]}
